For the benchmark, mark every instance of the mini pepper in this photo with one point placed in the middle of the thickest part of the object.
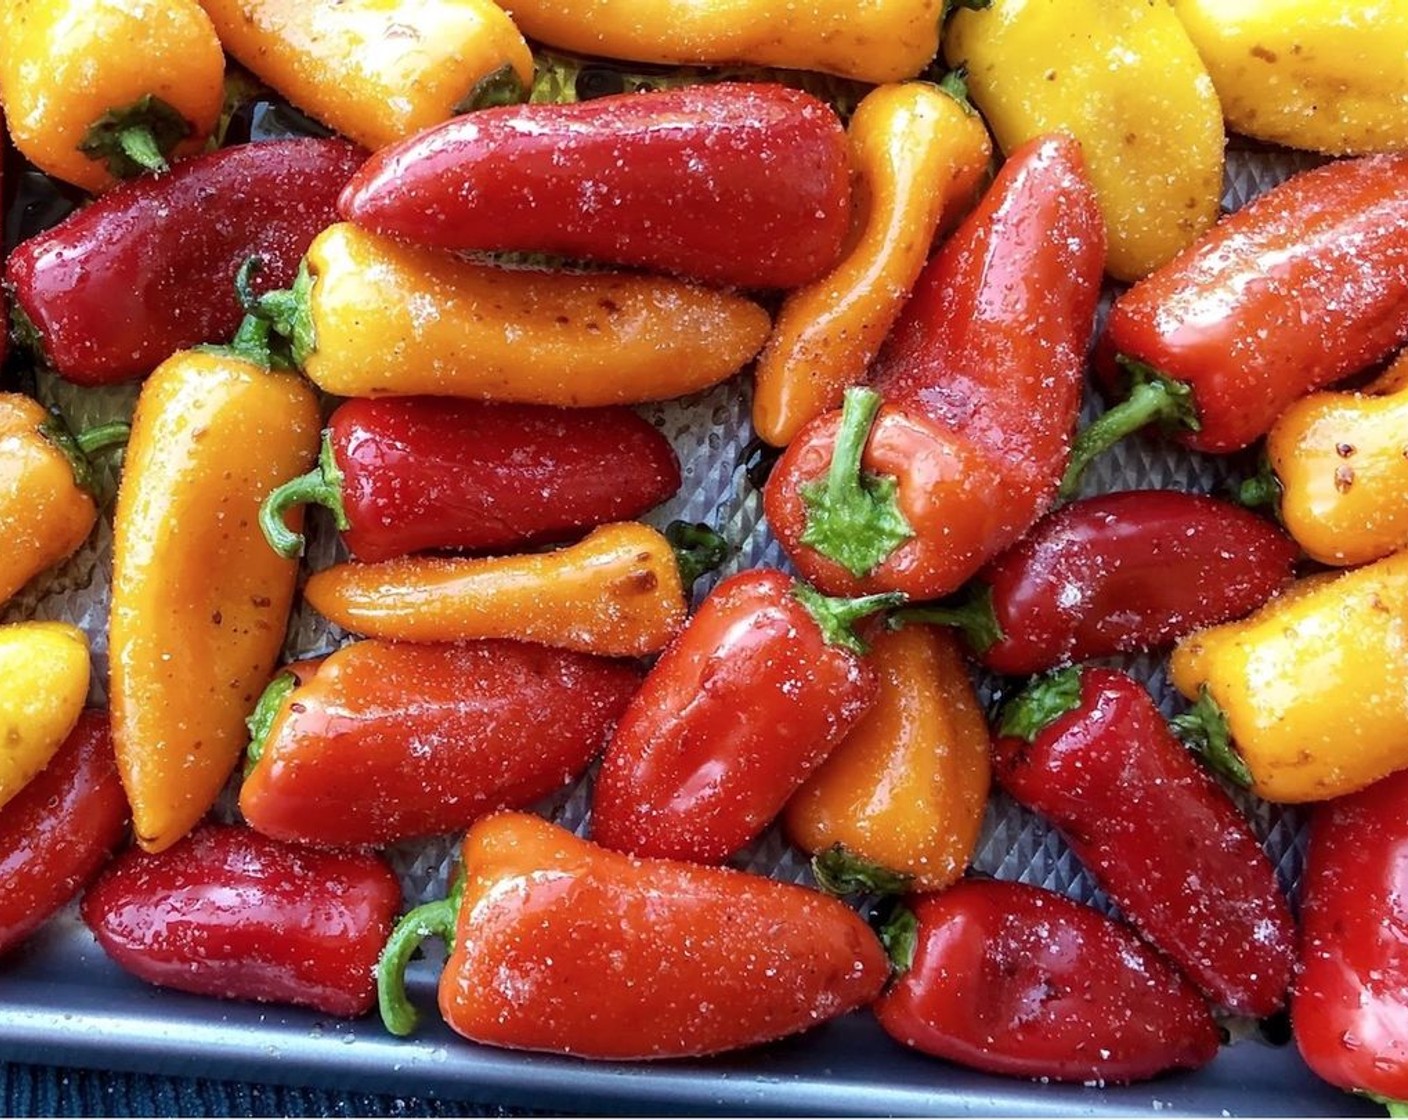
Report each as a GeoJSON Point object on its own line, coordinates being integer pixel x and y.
{"type": "Point", "coordinates": [43, 683]}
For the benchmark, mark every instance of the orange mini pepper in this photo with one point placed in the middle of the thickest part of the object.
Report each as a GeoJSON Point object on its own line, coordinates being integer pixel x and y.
{"type": "Point", "coordinates": [199, 602]}
{"type": "Point", "coordinates": [899, 803]}
{"type": "Point", "coordinates": [43, 684]}
{"type": "Point", "coordinates": [918, 151]}
{"type": "Point", "coordinates": [101, 90]}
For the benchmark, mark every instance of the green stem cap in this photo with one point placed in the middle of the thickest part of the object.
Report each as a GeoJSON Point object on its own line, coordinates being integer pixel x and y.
{"type": "Point", "coordinates": [1041, 704]}
{"type": "Point", "coordinates": [955, 83]}
{"type": "Point", "coordinates": [322, 486]}
{"type": "Point", "coordinates": [1262, 490]}
{"type": "Point", "coordinates": [838, 617]}
{"type": "Point", "coordinates": [434, 919]}
{"type": "Point", "coordinates": [840, 871]}
{"type": "Point", "coordinates": [698, 549]}
{"type": "Point", "coordinates": [77, 449]}
{"type": "Point", "coordinates": [499, 87]}
{"type": "Point", "coordinates": [853, 517]}
{"type": "Point", "coordinates": [262, 718]}
{"type": "Point", "coordinates": [900, 936]}
{"type": "Point", "coordinates": [973, 616]}
{"type": "Point", "coordinates": [287, 312]}
{"type": "Point", "coordinates": [1395, 1108]}
{"type": "Point", "coordinates": [1203, 729]}
{"type": "Point", "coordinates": [136, 138]}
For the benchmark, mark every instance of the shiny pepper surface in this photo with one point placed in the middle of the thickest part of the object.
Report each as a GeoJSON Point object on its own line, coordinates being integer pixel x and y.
{"type": "Point", "coordinates": [43, 683]}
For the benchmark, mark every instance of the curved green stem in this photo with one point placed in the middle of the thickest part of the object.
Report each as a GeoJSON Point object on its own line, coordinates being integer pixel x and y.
{"type": "Point", "coordinates": [57, 432]}
{"type": "Point", "coordinates": [838, 617]}
{"type": "Point", "coordinates": [103, 437]}
{"type": "Point", "coordinates": [1262, 490]}
{"type": "Point", "coordinates": [287, 311]}
{"type": "Point", "coordinates": [900, 936]}
{"type": "Point", "coordinates": [322, 485]}
{"type": "Point", "coordinates": [261, 720]}
{"type": "Point", "coordinates": [698, 549]}
{"type": "Point", "coordinates": [840, 871]}
{"type": "Point", "coordinates": [973, 616]}
{"type": "Point", "coordinates": [136, 138]}
{"type": "Point", "coordinates": [1203, 729]}
{"type": "Point", "coordinates": [1041, 704]}
{"type": "Point", "coordinates": [434, 919]}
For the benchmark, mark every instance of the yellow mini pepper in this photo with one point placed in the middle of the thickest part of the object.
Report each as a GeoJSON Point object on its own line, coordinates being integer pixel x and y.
{"type": "Point", "coordinates": [43, 685]}
{"type": "Point", "coordinates": [1330, 77]}
{"type": "Point", "coordinates": [918, 152]}
{"type": "Point", "coordinates": [199, 602]}
{"type": "Point", "coordinates": [1122, 77]}
{"type": "Point", "coordinates": [1313, 688]}
{"type": "Point", "coordinates": [98, 90]}
{"type": "Point", "coordinates": [376, 71]}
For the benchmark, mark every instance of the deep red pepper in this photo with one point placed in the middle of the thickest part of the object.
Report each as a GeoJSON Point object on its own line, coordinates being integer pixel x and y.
{"type": "Point", "coordinates": [58, 830]}
{"type": "Point", "coordinates": [1023, 982]}
{"type": "Point", "coordinates": [148, 269]}
{"type": "Point", "coordinates": [764, 681]}
{"type": "Point", "coordinates": [1301, 287]}
{"type": "Point", "coordinates": [233, 914]}
{"type": "Point", "coordinates": [735, 183]}
{"type": "Point", "coordinates": [1118, 573]}
{"type": "Point", "coordinates": [1089, 750]}
{"type": "Point", "coordinates": [1349, 1010]}
{"type": "Point", "coordinates": [387, 742]}
{"type": "Point", "coordinates": [406, 474]}
{"type": "Point", "coordinates": [981, 382]}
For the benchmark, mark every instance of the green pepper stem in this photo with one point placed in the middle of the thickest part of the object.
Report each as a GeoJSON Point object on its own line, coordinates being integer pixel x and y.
{"type": "Point", "coordinates": [1041, 704]}
{"type": "Point", "coordinates": [973, 616]}
{"type": "Point", "coordinates": [1204, 730]}
{"type": "Point", "coordinates": [57, 432]}
{"type": "Point", "coordinates": [698, 549]}
{"type": "Point", "coordinates": [900, 936]}
{"type": "Point", "coordinates": [955, 84]}
{"type": "Point", "coordinates": [1394, 1108]}
{"type": "Point", "coordinates": [497, 88]}
{"type": "Point", "coordinates": [838, 617]}
{"type": "Point", "coordinates": [261, 720]}
{"type": "Point", "coordinates": [140, 145]}
{"type": "Point", "coordinates": [103, 437]}
{"type": "Point", "coordinates": [1153, 398]}
{"type": "Point", "coordinates": [840, 871]}
{"type": "Point", "coordinates": [287, 311]}
{"type": "Point", "coordinates": [322, 486]}
{"type": "Point", "coordinates": [1262, 490]}
{"type": "Point", "coordinates": [434, 919]}
{"type": "Point", "coordinates": [136, 138]}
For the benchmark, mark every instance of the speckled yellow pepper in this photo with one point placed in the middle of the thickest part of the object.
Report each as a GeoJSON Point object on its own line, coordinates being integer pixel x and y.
{"type": "Point", "coordinates": [43, 684]}
{"type": "Point", "coordinates": [1328, 77]}
{"type": "Point", "coordinates": [1313, 688]}
{"type": "Point", "coordinates": [1123, 78]}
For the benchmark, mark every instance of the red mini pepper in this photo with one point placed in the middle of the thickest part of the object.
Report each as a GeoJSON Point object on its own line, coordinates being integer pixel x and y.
{"type": "Point", "coordinates": [563, 946]}
{"type": "Point", "coordinates": [148, 269]}
{"type": "Point", "coordinates": [387, 742]}
{"type": "Point", "coordinates": [1301, 287]}
{"type": "Point", "coordinates": [58, 830]}
{"type": "Point", "coordinates": [230, 913]}
{"type": "Point", "coordinates": [1118, 573]}
{"type": "Point", "coordinates": [765, 680]}
{"type": "Point", "coordinates": [736, 183]}
{"type": "Point", "coordinates": [1019, 981]}
{"type": "Point", "coordinates": [981, 383]}
{"type": "Point", "coordinates": [405, 474]}
{"type": "Point", "coordinates": [1349, 1010]}
{"type": "Point", "coordinates": [1089, 750]}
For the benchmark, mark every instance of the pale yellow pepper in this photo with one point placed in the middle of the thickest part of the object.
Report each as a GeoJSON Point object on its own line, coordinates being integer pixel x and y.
{"type": "Point", "coordinates": [1123, 78]}
{"type": "Point", "coordinates": [1328, 77]}
{"type": "Point", "coordinates": [43, 685]}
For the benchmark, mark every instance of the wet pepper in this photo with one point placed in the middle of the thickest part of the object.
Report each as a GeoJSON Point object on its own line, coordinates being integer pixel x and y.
{"type": "Point", "coordinates": [440, 734]}
{"type": "Point", "coordinates": [977, 392]}
{"type": "Point", "coordinates": [735, 184]}
{"type": "Point", "coordinates": [562, 946]}
{"type": "Point", "coordinates": [766, 679]}
{"type": "Point", "coordinates": [101, 90]}
{"type": "Point", "coordinates": [1019, 981]}
{"type": "Point", "coordinates": [43, 683]}
{"type": "Point", "coordinates": [232, 914]}
{"type": "Point", "coordinates": [119, 286]}
{"type": "Point", "coordinates": [1089, 750]}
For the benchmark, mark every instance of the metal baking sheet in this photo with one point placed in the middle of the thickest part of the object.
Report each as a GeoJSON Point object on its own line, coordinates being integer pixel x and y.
{"type": "Point", "coordinates": [63, 1002]}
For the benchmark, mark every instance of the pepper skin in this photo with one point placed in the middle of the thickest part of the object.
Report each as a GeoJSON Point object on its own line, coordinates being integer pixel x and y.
{"type": "Point", "coordinates": [406, 474]}
{"type": "Point", "coordinates": [1123, 78]}
{"type": "Point", "coordinates": [121, 285]}
{"type": "Point", "coordinates": [763, 683]}
{"type": "Point", "coordinates": [43, 683]}
{"type": "Point", "coordinates": [732, 184]}
{"type": "Point", "coordinates": [1310, 687]}
{"type": "Point", "coordinates": [440, 735]}
{"type": "Point", "coordinates": [1349, 1011]}
{"type": "Point", "coordinates": [58, 831]}
{"type": "Point", "coordinates": [1341, 461]}
{"type": "Point", "coordinates": [568, 948]}
{"type": "Point", "coordinates": [1089, 750]}
{"type": "Point", "coordinates": [375, 318]}
{"type": "Point", "coordinates": [885, 41]}
{"type": "Point", "coordinates": [376, 71]}
{"type": "Point", "coordinates": [918, 153]}
{"type": "Point", "coordinates": [617, 593]}
{"type": "Point", "coordinates": [981, 383]}
{"type": "Point", "coordinates": [1118, 573]}
{"type": "Point", "coordinates": [232, 914]}
{"type": "Point", "coordinates": [906, 789]}
{"type": "Point", "coordinates": [1019, 981]}
{"type": "Point", "coordinates": [1327, 77]}
{"type": "Point", "coordinates": [199, 601]}
{"type": "Point", "coordinates": [101, 90]}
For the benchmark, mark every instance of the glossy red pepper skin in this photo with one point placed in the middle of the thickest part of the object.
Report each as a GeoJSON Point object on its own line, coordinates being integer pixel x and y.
{"type": "Point", "coordinates": [739, 709]}
{"type": "Point", "coordinates": [1349, 1011]}
{"type": "Point", "coordinates": [1303, 286]}
{"type": "Point", "coordinates": [981, 380]}
{"type": "Point", "coordinates": [1019, 981]}
{"type": "Point", "coordinates": [734, 183]}
{"type": "Point", "coordinates": [233, 914]}
{"type": "Point", "coordinates": [388, 742]}
{"type": "Point", "coordinates": [1126, 572]}
{"type": "Point", "coordinates": [427, 473]}
{"type": "Point", "coordinates": [147, 270]}
{"type": "Point", "coordinates": [1161, 837]}
{"type": "Point", "coordinates": [56, 833]}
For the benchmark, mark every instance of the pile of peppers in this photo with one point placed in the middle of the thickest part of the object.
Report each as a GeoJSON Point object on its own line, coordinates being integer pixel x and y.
{"type": "Point", "coordinates": [426, 300]}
